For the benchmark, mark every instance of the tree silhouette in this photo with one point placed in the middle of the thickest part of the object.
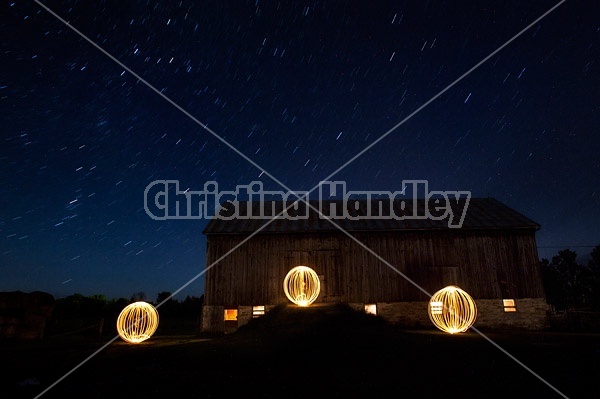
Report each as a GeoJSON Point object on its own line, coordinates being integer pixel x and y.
{"type": "Point", "coordinates": [162, 296]}
{"type": "Point", "coordinates": [594, 279]}
{"type": "Point", "coordinates": [138, 296]}
{"type": "Point", "coordinates": [569, 284]}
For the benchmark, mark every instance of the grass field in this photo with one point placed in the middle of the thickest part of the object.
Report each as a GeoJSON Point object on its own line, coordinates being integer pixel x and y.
{"type": "Point", "coordinates": [327, 352]}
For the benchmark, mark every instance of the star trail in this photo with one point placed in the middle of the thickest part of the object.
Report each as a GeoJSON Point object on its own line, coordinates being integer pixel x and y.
{"type": "Point", "coordinates": [300, 88]}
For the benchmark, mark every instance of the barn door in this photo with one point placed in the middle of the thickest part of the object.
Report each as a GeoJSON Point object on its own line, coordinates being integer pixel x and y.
{"type": "Point", "coordinates": [326, 264]}
{"type": "Point", "coordinates": [440, 277]}
{"type": "Point", "coordinates": [328, 268]}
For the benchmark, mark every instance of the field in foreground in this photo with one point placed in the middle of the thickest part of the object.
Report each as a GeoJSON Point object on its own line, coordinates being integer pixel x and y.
{"type": "Point", "coordinates": [326, 352]}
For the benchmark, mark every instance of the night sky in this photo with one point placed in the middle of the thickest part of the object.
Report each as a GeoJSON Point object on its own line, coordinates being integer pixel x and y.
{"type": "Point", "coordinates": [299, 87]}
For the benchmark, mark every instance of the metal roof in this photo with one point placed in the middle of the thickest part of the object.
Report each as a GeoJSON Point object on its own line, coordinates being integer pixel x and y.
{"type": "Point", "coordinates": [480, 213]}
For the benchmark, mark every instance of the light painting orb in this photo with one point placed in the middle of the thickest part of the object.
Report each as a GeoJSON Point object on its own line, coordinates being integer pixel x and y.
{"type": "Point", "coordinates": [137, 322]}
{"type": "Point", "coordinates": [301, 285]}
{"type": "Point", "coordinates": [452, 310]}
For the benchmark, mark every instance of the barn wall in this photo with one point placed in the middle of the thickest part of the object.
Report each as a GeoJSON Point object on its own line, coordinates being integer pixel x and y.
{"type": "Point", "coordinates": [487, 264]}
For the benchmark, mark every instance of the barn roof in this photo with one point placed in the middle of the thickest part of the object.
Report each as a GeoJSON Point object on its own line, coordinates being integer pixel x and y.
{"type": "Point", "coordinates": [480, 213]}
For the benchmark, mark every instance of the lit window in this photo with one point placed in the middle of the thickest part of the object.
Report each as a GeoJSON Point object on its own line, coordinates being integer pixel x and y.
{"type": "Point", "coordinates": [231, 314]}
{"type": "Point", "coordinates": [371, 308]}
{"type": "Point", "coordinates": [509, 305]}
{"type": "Point", "coordinates": [436, 307]}
{"type": "Point", "coordinates": [258, 310]}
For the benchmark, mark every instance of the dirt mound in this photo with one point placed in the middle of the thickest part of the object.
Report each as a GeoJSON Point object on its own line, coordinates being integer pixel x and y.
{"type": "Point", "coordinates": [335, 325]}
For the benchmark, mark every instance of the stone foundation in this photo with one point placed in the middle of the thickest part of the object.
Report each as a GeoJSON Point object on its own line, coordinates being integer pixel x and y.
{"type": "Point", "coordinates": [213, 318]}
{"type": "Point", "coordinates": [531, 314]}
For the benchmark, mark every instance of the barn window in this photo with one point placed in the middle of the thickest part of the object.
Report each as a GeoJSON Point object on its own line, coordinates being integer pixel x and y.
{"type": "Point", "coordinates": [436, 307]}
{"type": "Point", "coordinates": [258, 310]}
{"type": "Point", "coordinates": [231, 314]}
{"type": "Point", "coordinates": [509, 305]}
{"type": "Point", "coordinates": [371, 308]}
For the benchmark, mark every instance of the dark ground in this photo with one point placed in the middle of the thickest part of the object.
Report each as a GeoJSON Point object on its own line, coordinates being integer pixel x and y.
{"type": "Point", "coordinates": [328, 352]}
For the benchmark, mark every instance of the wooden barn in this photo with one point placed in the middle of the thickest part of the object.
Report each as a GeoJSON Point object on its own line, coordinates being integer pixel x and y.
{"type": "Point", "coordinates": [492, 256]}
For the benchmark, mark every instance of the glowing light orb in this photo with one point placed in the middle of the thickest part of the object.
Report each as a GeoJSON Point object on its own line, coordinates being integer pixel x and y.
{"type": "Point", "coordinates": [302, 285]}
{"type": "Point", "coordinates": [452, 310]}
{"type": "Point", "coordinates": [137, 322]}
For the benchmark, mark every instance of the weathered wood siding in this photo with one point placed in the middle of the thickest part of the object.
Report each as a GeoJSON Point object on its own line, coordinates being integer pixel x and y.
{"type": "Point", "coordinates": [487, 264]}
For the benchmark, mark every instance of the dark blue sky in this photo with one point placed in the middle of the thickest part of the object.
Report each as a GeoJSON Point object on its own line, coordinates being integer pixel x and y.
{"type": "Point", "coordinates": [300, 88]}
